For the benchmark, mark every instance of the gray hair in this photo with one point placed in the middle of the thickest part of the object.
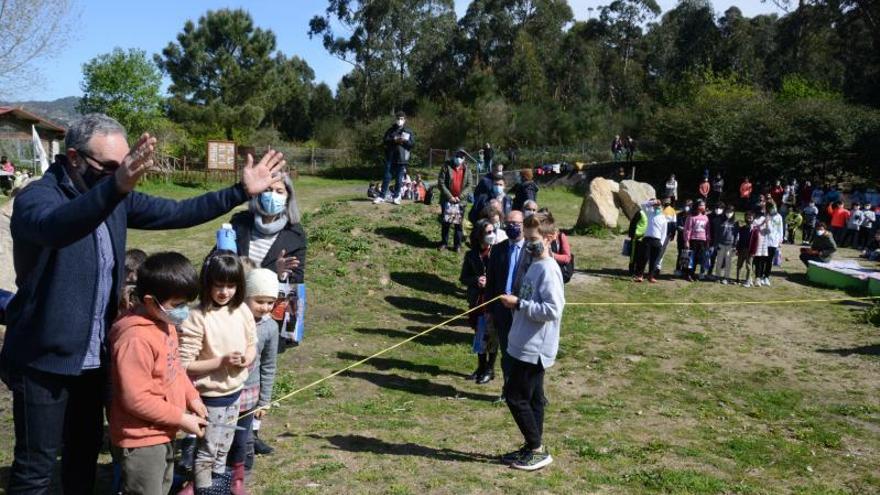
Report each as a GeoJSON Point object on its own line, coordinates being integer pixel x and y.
{"type": "Point", "coordinates": [530, 202]}
{"type": "Point", "coordinates": [83, 129]}
{"type": "Point", "coordinates": [293, 214]}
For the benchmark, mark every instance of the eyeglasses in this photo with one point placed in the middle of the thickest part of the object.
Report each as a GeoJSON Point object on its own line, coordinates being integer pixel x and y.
{"type": "Point", "coordinates": [108, 166]}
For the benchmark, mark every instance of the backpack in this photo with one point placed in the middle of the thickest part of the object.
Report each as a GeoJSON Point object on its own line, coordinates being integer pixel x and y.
{"type": "Point", "coordinates": [568, 268]}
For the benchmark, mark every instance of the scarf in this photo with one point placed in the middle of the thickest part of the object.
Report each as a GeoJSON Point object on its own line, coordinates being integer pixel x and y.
{"type": "Point", "coordinates": [271, 228]}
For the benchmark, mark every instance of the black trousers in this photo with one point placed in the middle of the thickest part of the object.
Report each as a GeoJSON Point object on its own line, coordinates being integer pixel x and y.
{"type": "Point", "coordinates": [807, 233]}
{"type": "Point", "coordinates": [850, 238]}
{"type": "Point", "coordinates": [444, 234]}
{"type": "Point", "coordinates": [524, 392]}
{"type": "Point", "coordinates": [698, 247]}
{"type": "Point", "coordinates": [648, 254]}
{"type": "Point", "coordinates": [52, 414]}
{"type": "Point", "coordinates": [239, 449]}
{"type": "Point", "coordinates": [771, 255]}
{"type": "Point", "coordinates": [502, 318]}
{"type": "Point", "coordinates": [762, 266]}
{"type": "Point", "coordinates": [864, 237]}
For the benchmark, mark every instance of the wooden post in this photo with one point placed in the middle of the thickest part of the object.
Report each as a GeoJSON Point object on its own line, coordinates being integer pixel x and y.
{"type": "Point", "coordinates": [312, 161]}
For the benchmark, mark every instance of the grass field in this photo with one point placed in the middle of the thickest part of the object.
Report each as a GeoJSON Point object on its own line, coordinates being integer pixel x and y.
{"type": "Point", "coordinates": [746, 399]}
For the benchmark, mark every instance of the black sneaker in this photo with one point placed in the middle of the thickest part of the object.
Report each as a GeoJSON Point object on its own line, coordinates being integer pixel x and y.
{"type": "Point", "coordinates": [485, 378]}
{"type": "Point", "coordinates": [532, 460]}
{"type": "Point", "coordinates": [511, 457]}
{"type": "Point", "coordinates": [261, 447]}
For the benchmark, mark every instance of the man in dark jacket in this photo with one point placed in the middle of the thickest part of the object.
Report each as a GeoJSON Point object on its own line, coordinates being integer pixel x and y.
{"type": "Point", "coordinates": [454, 182]}
{"type": "Point", "coordinates": [68, 232]}
{"type": "Point", "coordinates": [821, 248]}
{"type": "Point", "coordinates": [399, 141]}
{"type": "Point", "coordinates": [508, 262]}
{"type": "Point", "coordinates": [483, 191]}
{"type": "Point", "coordinates": [488, 156]}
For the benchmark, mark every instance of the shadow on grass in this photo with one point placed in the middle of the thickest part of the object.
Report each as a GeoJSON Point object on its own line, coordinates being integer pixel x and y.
{"type": "Point", "coordinates": [423, 306]}
{"type": "Point", "coordinates": [865, 350]}
{"type": "Point", "coordinates": [360, 444]}
{"type": "Point", "coordinates": [408, 236]}
{"type": "Point", "coordinates": [435, 319]}
{"type": "Point", "coordinates": [384, 364]}
{"type": "Point", "coordinates": [605, 272]}
{"type": "Point", "coordinates": [426, 282]}
{"type": "Point", "coordinates": [439, 336]}
{"type": "Point", "coordinates": [419, 386]}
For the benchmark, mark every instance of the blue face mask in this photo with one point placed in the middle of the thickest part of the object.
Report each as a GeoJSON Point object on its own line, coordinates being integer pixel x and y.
{"type": "Point", "coordinates": [175, 316]}
{"type": "Point", "coordinates": [513, 231]}
{"type": "Point", "coordinates": [498, 190]}
{"type": "Point", "coordinates": [272, 203]}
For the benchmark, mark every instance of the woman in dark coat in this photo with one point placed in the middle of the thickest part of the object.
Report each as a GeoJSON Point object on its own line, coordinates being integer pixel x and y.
{"type": "Point", "coordinates": [270, 232]}
{"type": "Point", "coordinates": [525, 190]}
{"type": "Point", "coordinates": [473, 275]}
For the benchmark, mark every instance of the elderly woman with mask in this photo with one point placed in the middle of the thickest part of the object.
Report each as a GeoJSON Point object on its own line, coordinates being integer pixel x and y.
{"type": "Point", "coordinates": [270, 233]}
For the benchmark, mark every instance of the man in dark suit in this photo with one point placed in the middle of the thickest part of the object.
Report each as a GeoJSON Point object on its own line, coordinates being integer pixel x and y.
{"type": "Point", "coordinates": [508, 262]}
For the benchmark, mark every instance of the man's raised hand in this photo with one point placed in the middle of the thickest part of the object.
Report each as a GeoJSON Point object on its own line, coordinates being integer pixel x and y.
{"type": "Point", "coordinates": [256, 178]}
{"type": "Point", "coordinates": [137, 162]}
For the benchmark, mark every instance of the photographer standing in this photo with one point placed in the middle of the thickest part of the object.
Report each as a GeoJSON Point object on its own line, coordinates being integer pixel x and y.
{"type": "Point", "coordinates": [399, 141]}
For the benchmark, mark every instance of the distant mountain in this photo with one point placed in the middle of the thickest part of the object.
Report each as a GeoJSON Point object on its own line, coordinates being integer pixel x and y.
{"type": "Point", "coordinates": [62, 111]}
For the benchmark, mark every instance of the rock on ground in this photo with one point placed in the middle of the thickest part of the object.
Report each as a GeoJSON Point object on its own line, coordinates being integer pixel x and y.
{"type": "Point", "coordinates": [598, 207]}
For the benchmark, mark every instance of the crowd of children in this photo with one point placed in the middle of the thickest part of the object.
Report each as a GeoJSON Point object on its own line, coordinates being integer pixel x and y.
{"type": "Point", "coordinates": [207, 372]}
{"type": "Point", "coordinates": [712, 239]}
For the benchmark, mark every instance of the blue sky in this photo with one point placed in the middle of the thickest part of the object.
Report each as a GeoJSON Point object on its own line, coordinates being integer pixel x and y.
{"type": "Point", "coordinates": [104, 24]}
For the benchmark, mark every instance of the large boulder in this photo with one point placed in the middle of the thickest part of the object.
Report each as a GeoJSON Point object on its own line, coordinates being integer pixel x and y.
{"type": "Point", "coordinates": [633, 194]}
{"type": "Point", "coordinates": [598, 207]}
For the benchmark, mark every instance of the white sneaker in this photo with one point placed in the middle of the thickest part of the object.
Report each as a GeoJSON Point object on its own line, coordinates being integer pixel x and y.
{"type": "Point", "coordinates": [723, 281]}
{"type": "Point", "coordinates": [397, 200]}
{"type": "Point", "coordinates": [379, 200]}
{"type": "Point", "coordinates": [747, 283]}
{"type": "Point", "coordinates": [766, 281]}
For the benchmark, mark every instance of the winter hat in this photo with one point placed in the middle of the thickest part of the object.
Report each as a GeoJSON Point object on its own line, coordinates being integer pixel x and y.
{"type": "Point", "coordinates": [262, 283]}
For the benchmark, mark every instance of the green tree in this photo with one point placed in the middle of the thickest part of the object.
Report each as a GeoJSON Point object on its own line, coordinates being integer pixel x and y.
{"type": "Point", "coordinates": [125, 86]}
{"type": "Point", "coordinates": [221, 71]}
{"type": "Point", "coordinates": [287, 102]}
{"type": "Point", "coordinates": [387, 42]}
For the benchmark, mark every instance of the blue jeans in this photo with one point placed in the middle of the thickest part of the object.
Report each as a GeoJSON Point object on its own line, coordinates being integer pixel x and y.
{"type": "Point", "coordinates": [397, 170]}
{"type": "Point", "coordinates": [55, 413]}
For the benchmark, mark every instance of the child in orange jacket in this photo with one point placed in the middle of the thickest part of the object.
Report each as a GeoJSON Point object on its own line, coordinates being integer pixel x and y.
{"type": "Point", "coordinates": [152, 396]}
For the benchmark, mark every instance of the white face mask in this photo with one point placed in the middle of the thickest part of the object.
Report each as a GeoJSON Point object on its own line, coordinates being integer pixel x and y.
{"type": "Point", "coordinates": [489, 239]}
{"type": "Point", "coordinates": [820, 232]}
{"type": "Point", "coordinates": [718, 211]}
{"type": "Point", "coordinates": [400, 122]}
{"type": "Point", "coordinates": [687, 208]}
{"type": "Point", "coordinates": [729, 215]}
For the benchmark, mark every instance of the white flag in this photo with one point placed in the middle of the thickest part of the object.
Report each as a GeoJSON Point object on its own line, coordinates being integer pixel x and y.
{"type": "Point", "coordinates": [39, 152]}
